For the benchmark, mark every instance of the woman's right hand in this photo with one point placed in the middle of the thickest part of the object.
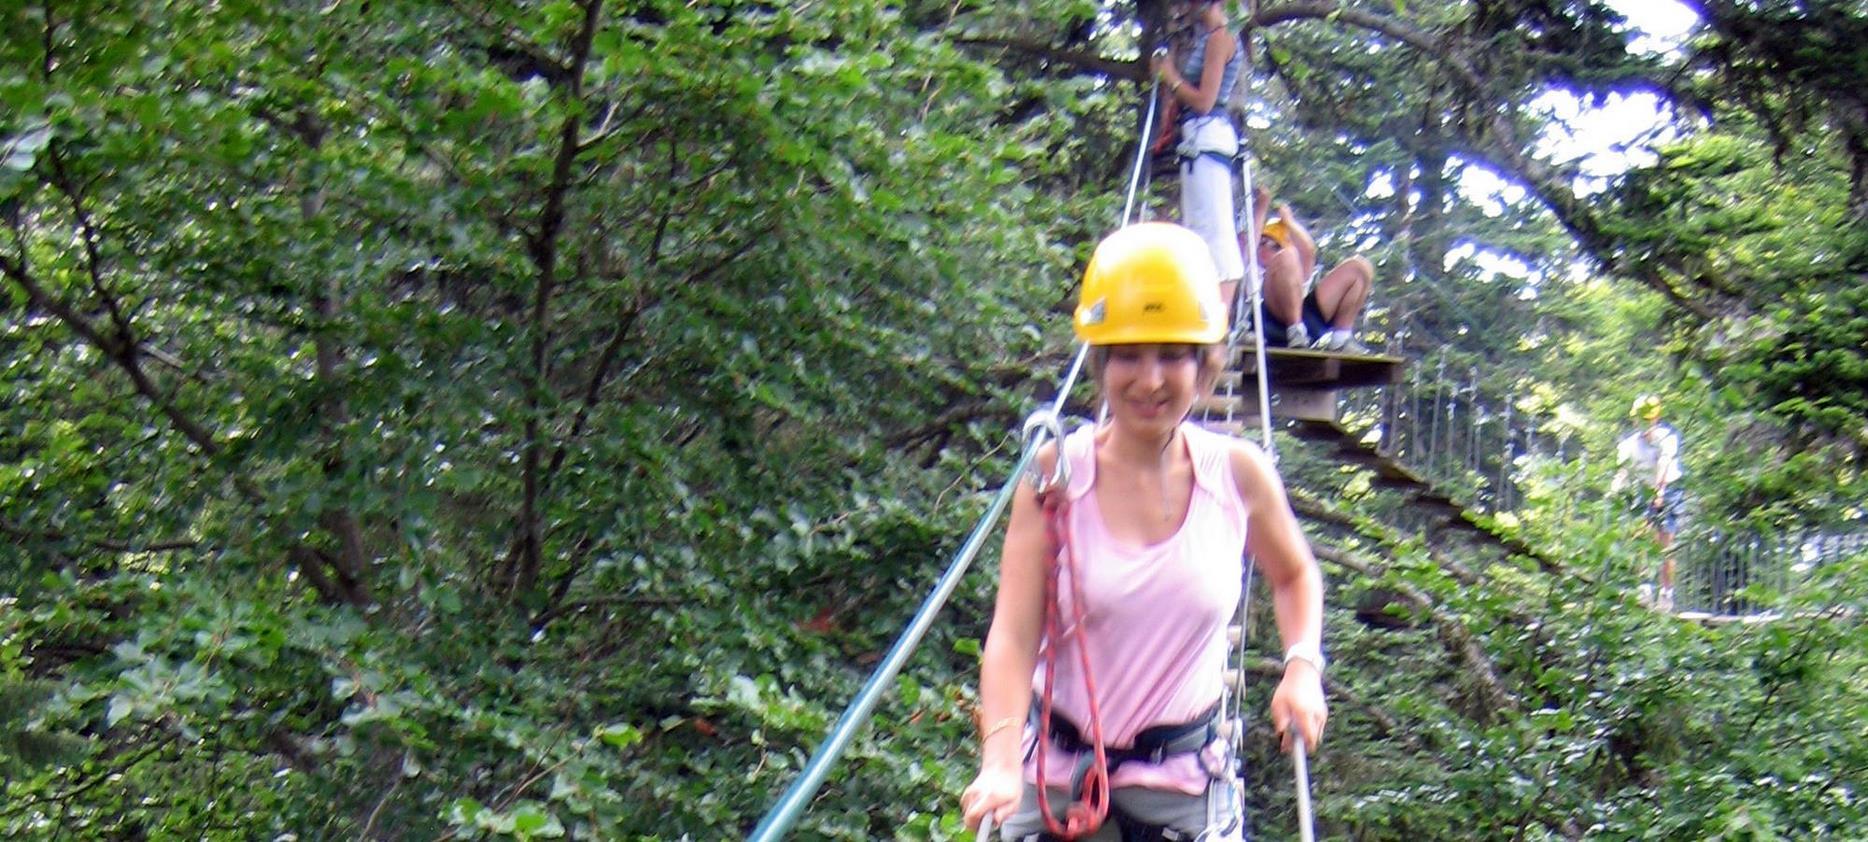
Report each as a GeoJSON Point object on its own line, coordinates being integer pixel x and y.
{"type": "Point", "coordinates": [996, 791]}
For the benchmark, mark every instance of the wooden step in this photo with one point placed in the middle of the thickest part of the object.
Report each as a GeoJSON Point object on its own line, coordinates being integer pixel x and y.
{"type": "Point", "coordinates": [1223, 406]}
{"type": "Point", "coordinates": [1235, 428]}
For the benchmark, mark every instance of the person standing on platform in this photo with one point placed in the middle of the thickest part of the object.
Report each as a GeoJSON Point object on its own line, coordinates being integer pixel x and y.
{"type": "Point", "coordinates": [1652, 453]}
{"type": "Point", "coordinates": [1198, 76]}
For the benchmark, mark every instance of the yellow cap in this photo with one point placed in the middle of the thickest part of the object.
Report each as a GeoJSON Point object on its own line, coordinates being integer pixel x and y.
{"type": "Point", "coordinates": [1151, 282]}
{"type": "Point", "coordinates": [1646, 407]}
{"type": "Point", "coordinates": [1274, 228]}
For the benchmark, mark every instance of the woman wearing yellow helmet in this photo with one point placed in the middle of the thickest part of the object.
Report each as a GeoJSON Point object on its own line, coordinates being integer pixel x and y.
{"type": "Point", "coordinates": [1124, 580]}
{"type": "Point", "coordinates": [1322, 317]}
{"type": "Point", "coordinates": [1652, 455]}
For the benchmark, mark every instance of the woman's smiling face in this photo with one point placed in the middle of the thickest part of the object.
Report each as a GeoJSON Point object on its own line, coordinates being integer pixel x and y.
{"type": "Point", "coordinates": [1151, 386]}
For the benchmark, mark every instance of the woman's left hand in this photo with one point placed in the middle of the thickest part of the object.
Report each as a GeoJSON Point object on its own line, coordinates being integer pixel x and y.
{"type": "Point", "coordinates": [1299, 702]}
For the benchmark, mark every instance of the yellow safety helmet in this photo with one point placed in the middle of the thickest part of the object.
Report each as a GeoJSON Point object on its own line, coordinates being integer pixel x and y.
{"type": "Point", "coordinates": [1274, 228]}
{"type": "Point", "coordinates": [1151, 282]}
{"type": "Point", "coordinates": [1646, 407]}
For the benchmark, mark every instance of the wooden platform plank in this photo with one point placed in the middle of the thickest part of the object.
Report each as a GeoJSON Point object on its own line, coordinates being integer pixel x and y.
{"type": "Point", "coordinates": [1318, 369]}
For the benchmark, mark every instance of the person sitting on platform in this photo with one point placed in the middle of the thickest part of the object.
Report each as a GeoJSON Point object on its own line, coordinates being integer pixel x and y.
{"type": "Point", "coordinates": [1325, 317]}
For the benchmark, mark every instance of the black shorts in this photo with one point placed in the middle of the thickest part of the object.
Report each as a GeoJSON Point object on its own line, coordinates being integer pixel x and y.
{"type": "Point", "coordinates": [1314, 323]}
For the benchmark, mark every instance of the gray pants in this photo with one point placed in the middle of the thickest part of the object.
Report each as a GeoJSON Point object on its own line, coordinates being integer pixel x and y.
{"type": "Point", "coordinates": [1182, 816]}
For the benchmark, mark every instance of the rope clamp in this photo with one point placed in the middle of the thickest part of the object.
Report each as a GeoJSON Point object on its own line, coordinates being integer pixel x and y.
{"type": "Point", "coordinates": [1038, 425]}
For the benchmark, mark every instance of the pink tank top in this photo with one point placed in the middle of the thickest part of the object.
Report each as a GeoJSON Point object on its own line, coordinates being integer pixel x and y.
{"type": "Point", "coordinates": [1156, 615]}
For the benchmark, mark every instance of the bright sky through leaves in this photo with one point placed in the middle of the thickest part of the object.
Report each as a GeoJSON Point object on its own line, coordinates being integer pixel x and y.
{"type": "Point", "coordinates": [1602, 140]}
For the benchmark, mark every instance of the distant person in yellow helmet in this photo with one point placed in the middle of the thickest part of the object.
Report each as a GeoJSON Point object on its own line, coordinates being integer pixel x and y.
{"type": "Point", "coordinates": [1652, 453]}
{"type": "Point", "coordinates": [1145, 540]}
{"type": "Point", "coordinates": [1324, 317]}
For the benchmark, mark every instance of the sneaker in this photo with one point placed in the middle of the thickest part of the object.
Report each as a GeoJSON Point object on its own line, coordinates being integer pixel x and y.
{"type": "Point", "coordinates": [1644, 594]}
{"type": "Point", "coordinates": [1297, 336]}
{"type": "Point", "coordinates": [1340, 341]}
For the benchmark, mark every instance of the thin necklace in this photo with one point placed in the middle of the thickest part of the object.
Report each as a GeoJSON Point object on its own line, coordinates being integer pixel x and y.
{"type": "Point", "coordinates": [1167, 495]}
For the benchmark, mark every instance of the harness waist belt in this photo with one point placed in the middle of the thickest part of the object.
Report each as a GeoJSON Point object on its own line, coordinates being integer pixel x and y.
{"type": "Point", "coordinates": [1207, 134]}
{"type": "Point", "coordinates": [1153, 744]}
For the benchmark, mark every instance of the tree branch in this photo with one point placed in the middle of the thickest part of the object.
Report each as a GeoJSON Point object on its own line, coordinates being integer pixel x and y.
{"type": "Point", "coordinates": [113, 349]}
{"type": "Point", "coordinates": [1132, 69]}
{"type": "Point", "coordinates": [959, 413]}
{"type": "Point", "coordinates": [1420, 40]}
{"type": "Point", "coordinates": [88, 234]}
{"type": "Point", "coordinates": [115, 545]}
{"type": "Point", "coordinates": [544, 249]}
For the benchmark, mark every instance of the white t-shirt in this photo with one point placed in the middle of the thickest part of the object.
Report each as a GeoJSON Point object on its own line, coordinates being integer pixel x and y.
{"type": "Point", "coordinates": [1646, 457]}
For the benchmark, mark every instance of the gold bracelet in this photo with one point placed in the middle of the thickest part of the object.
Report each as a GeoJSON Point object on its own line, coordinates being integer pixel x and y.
{"type": "Point", "coordinates": [1001, 725]}
{"type": "Point", "coordinates": [1174, 87]}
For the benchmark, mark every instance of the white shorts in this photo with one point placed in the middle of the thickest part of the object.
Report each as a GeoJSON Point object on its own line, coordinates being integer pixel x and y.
{"type": "Point", "coordinates": [1206, 207]}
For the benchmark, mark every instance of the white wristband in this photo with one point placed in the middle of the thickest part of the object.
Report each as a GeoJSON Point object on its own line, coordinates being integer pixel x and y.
{"type": "Point", "coordinates": [1309, 654]}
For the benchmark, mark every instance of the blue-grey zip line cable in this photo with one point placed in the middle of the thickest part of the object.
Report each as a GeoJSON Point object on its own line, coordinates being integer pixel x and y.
{"type": "Point", "coordinates": [1300, 772]}
{"type": "Point", "coordinates": [785, 814]}
{"type": "Point", "coordinates": [1141, 154]}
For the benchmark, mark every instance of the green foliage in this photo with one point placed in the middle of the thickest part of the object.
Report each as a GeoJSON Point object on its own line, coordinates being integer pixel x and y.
{"type": "Point", "coordinates": [24, 746]}
{"type": "Point", "coordinates": [430, 421]}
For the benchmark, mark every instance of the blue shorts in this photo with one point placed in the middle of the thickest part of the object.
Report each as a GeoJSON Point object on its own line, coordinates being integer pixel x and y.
{"type": "Point", "coordinates": [1314, 322]}
{"type": "Point", "coordinates": [1666, 516]}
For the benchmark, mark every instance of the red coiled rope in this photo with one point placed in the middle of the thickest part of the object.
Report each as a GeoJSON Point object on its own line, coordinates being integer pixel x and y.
{"type": "Point", "coordinates": [1084, 816]}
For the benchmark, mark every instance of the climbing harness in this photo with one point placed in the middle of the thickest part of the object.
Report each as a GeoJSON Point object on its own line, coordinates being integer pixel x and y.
{"type": "Point", "coordinates": [1211, 135]}
{"type": "Point", "coordinates": [1152, 745]}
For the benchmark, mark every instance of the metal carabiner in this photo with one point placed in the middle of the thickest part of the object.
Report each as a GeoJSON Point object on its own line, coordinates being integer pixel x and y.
{"type": "Point", "coordinates": [1038, 424]}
